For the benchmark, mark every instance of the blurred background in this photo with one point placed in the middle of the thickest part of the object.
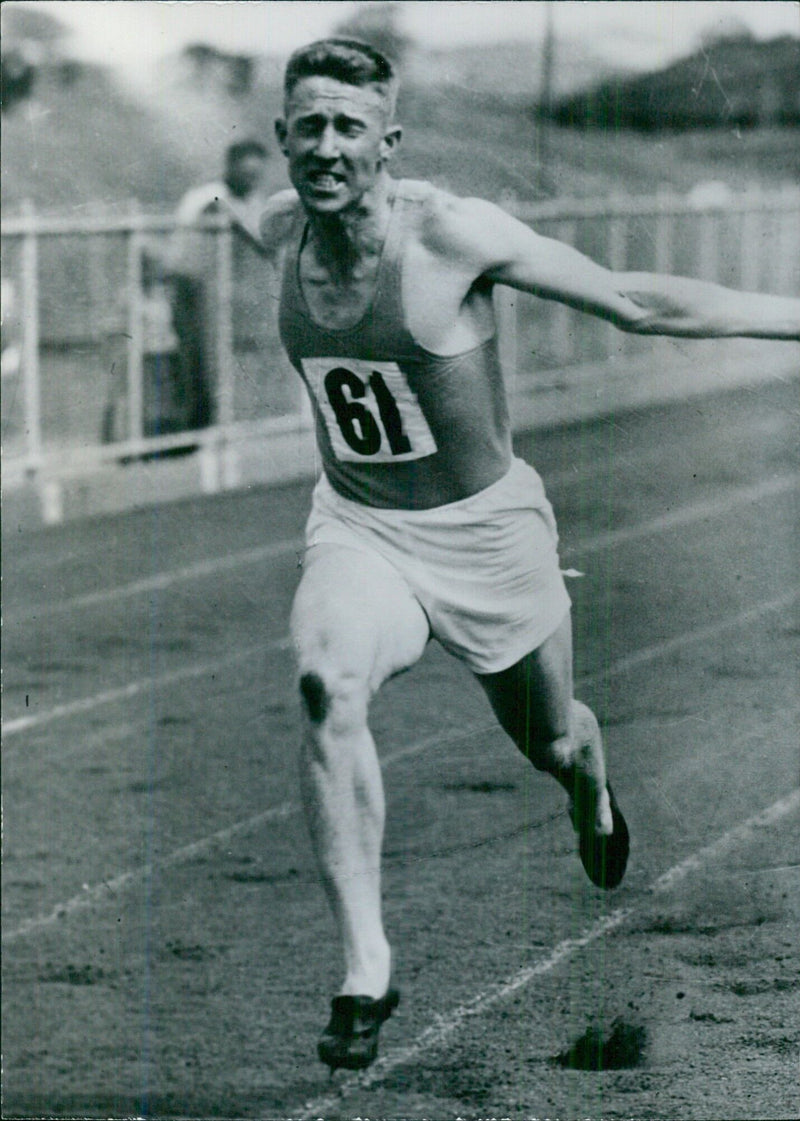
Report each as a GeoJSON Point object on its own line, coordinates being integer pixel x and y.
{"type": "Point", "coordinates": [107, 101]}
{"type": "Point", "coordinates": [651, 135]}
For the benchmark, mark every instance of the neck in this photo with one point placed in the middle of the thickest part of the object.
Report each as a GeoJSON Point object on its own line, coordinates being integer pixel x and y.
{"type": "Point", "coordinates": [341, 241]}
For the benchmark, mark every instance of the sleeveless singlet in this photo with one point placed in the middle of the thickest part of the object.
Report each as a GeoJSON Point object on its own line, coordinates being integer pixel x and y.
{"type": "Point", "coordinates": [398, 427]}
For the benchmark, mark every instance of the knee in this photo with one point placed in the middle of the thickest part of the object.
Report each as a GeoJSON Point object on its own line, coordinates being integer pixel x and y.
{"type": "Point", "coordinates": [334, 702]}
{"type": "Point", "coordinates": [544, 742]}
{"type": "Point", "coordinates": [548, 752]}
{"type": "Point", "coordinates": [560, 745]}
{"type": "Point", "coordinates": [314, 696]}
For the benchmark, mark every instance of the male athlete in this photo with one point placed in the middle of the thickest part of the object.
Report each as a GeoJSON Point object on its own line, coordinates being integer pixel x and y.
{"type": "Point", "coordinates": [423, 522]}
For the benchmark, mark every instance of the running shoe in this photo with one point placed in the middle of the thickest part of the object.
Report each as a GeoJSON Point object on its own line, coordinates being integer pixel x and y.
{"type": "Point", "coordinates": [351, 1038]}
{"type": "Point", "coordinates": [604, 856]}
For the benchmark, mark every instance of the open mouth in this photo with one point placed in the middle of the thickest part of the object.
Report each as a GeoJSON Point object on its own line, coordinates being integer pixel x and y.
{"type": "Point", "coordinates": [325, 180]}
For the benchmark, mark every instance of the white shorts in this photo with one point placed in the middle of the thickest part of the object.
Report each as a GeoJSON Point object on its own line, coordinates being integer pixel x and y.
{"type": "Point", "coordinates": [485, 569]}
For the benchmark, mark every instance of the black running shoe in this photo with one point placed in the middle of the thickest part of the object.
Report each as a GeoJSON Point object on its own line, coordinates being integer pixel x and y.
{"type": "Point", "coordinates": [605, 857]}
{"type": "Point", "coordinates": [351, 1038]}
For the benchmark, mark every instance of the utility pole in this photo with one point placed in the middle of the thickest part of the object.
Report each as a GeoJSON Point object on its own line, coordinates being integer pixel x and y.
{"type": "Point", "coordinates": [546, 95]}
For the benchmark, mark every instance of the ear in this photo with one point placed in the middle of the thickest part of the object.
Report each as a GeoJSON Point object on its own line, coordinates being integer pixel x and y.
{"type": "Point", "coordinates": [281, 133]}
{"type": "Point", "coordinates": [390, 141]}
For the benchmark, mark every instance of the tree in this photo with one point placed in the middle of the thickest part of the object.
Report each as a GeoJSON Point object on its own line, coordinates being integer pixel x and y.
{"type": "Point", "coordinates": [726, 29]}
{"type": "Point", "coordinates": [379, 25]}
{"type": "Point", "coordinates": [16, 79]}
{"type": "Point", "coordinates": [30, 39]}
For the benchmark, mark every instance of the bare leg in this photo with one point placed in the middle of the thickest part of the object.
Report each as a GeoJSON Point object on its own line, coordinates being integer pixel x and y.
{"type": "Point", "coordinates": [533, 702]}
{"type": "Point", "coordinates": [354, 624]}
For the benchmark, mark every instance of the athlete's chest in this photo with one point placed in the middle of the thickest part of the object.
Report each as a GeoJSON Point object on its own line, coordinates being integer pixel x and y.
{"type": "Point", "coordinates": [338, 298]}
{"type": "Point", "coordinates": [438, 305]}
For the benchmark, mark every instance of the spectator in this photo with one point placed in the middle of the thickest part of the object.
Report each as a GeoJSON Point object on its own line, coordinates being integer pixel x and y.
{"type": "Point", "coordinates": [168, 403]}
{"type": "Point", "coordinates": [263, 382]}
{"type": "Point", "coordinates": [239, 193]}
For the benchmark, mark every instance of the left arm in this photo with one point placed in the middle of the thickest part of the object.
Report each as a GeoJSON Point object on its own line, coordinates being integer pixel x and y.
{"type": "Point", "coordinates": [492, 244]}
{"type": "Point", "coordinates": [676, 305]}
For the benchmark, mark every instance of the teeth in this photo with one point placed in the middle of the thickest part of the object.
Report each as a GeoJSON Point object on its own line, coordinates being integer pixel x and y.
{"type": "Point", "coordinates": [325, 181]}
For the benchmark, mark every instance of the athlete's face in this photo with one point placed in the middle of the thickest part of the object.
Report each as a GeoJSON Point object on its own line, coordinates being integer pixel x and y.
{"type": "Point", "coordinates": [337, 138]}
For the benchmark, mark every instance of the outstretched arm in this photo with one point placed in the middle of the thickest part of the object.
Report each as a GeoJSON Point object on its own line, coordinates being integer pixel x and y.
{"type": "Point", "coordinates": [505, 251]}
{"type": "Point", "coordinates": [676, 305]}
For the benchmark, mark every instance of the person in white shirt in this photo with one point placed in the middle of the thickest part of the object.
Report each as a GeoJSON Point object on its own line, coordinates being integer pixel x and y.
{"type": "Point", "coordinates": [240, 195]}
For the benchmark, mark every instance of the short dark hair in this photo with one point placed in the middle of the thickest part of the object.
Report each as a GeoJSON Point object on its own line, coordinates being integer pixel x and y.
{"type": "Point", "coordinates": [243, 148]}
{"type": "Point", "coordinates": [346, 60]}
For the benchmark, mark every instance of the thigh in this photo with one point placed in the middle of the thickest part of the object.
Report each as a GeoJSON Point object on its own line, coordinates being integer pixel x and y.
{"type": "Point", "coordinates": [354, 614]}
{"type": "Point", "coordinates": [533, 698]}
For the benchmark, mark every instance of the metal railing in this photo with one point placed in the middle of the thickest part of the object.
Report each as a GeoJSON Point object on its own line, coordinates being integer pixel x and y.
{"type": "Point", "coordinates": [750, 241]}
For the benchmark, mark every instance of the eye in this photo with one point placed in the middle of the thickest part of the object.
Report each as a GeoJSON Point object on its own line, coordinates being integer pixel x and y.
{"type": "Point", "coordinates": [349, 127]}
{"type": "Point", "coordinates": [308, 126]}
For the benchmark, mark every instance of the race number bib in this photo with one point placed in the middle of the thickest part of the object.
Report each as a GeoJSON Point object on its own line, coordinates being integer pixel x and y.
{"type": "Point", "coordinates": [371, 411]}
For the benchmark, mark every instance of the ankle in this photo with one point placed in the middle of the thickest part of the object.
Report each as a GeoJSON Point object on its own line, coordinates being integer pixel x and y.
{"type": "Point", "coordinates": [370, 976]}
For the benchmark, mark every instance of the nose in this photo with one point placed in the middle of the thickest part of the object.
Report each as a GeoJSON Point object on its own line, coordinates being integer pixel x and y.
{"type": "Point", "coordinates": [328, 144]}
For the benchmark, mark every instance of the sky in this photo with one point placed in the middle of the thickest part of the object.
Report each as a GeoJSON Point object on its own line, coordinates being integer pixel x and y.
{"type": "Point", "coordinates": [131, 33]}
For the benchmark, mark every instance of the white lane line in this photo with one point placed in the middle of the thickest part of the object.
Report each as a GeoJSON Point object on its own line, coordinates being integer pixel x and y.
{"type": "Point", "coordinates": [685, 515]}
{"type": "Point", "coordinates": [622, 665]}
{"type": "Point", "coordinates": [641, 657]}
{"type": "Point", "coordinates": [107, 889]}
{"type": "Point", "coordinates": [135, 688]}
{"type": "Point", "coordinates": [699, 635]}
{"type": "Point", "coordinates": [163, 580]}
{"type": "Point", "coordinates": [741, 832]}
{"type": "Point", "coordinates": [444, 1026]}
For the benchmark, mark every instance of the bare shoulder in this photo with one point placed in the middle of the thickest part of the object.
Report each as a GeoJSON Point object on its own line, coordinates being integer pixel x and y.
{"type": "Point", "coordinates": [279, 220]}
{"type": "Point", "coordinates": [470, 229]}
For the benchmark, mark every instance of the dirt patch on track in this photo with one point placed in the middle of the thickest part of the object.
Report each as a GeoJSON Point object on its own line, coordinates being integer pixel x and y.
{"type": "Point", "coordinates": [623, 1049]}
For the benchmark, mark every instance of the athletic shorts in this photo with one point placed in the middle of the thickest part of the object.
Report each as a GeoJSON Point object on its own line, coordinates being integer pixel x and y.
{"type": "Point", "coordinates": [484, 569]}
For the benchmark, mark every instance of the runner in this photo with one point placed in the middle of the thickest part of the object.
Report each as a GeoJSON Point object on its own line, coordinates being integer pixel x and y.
{"type": "Point", "coordinates": [423, 523]}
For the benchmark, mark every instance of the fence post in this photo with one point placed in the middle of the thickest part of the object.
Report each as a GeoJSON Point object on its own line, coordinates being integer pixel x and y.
{"type": "Point", "coordinates": [135, 341]}
{"type": "Point", "coordinates": [665, 224]}
{"type": "Point", "coordinates": [787, 280]}
{"type": "Point", "coordinates": [97, 283]}
{"type": "Point", "coordinates": [226, 414]}
{"type": "Point", "coordinates": [752, 241]}
{"type": "Point", "coordinates": [708, 246]}
{"type": "Point", "coordinates": [560, 338]}
{"type": "Point", "coordinates": [616, 257]}
{"type": "Point", "coordinates": [224, 334]}
{"type": "Point", "coordinates": [30, 340]}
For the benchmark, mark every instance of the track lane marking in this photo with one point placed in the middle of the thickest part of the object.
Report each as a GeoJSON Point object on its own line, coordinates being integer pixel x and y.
{"type": "Point", "coordinates": [164, 580]}
{"type": "Point", "coordinates": [108, 888]}
{"type": "Point", "coordinates": [699, 634]}
{"type": "Point", "coordinates": [100, 892]}
{"type": "Point", "coordinates": [135, 688]}
{"type": "Point", "coordinates": [446, 1024]}
{"type": "Point", "coordinates": [674, 519]}
{"type": "Point", "coordinates": [686, 515]}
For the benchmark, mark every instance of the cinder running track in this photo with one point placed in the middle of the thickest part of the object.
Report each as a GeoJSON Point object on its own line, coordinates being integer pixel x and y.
{"type": "Point", "coordinates": [166, 948]}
